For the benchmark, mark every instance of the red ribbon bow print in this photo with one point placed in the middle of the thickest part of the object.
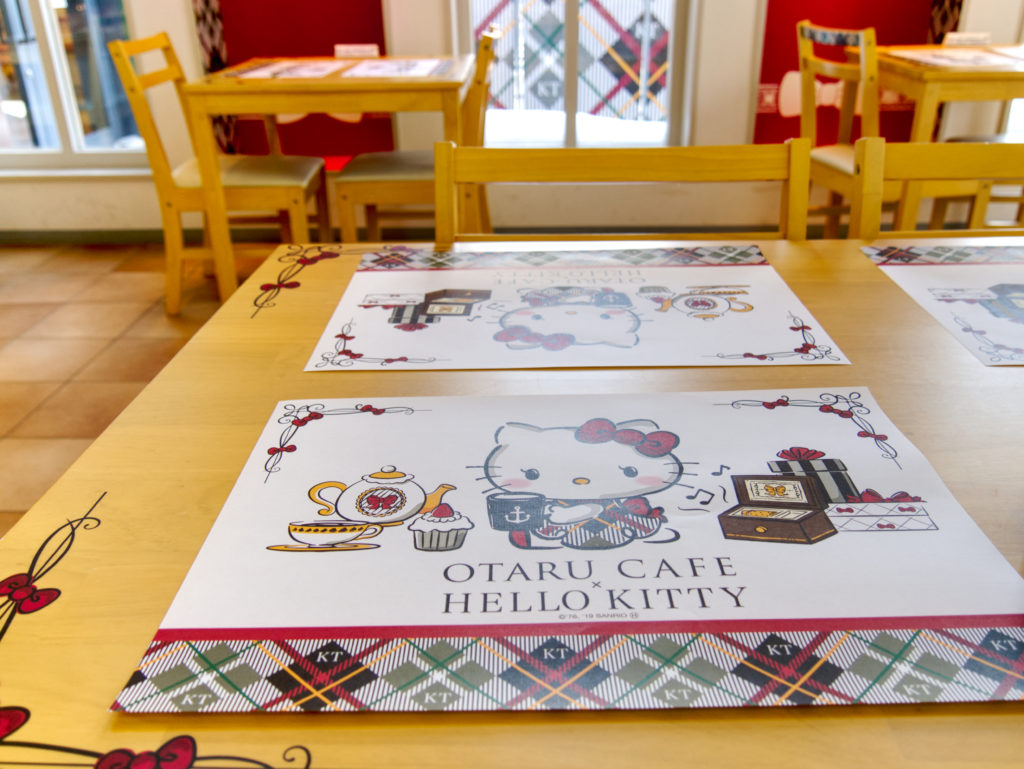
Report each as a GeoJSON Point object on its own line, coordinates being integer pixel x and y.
{"type": "Point", "coordinates": [178, 753]}
{"type": "Point", "coordinates": [25, 596]}
{"type": "Point", "coordinates": [272, 286]}
{"type": "Point", "coordinates": [382, 503]}
{"type": "Point", "coordinates": [523, 334]}
{"type": "Point", "coordinates": [797, 453]}
{"type": "Point", "coordinates": [655, 444]}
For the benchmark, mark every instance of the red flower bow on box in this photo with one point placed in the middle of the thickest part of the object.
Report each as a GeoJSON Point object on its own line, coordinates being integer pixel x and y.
{"type": "Point", "coordinates": [870, 495]}
{"type": "Point", "coordinates": [797, 453]}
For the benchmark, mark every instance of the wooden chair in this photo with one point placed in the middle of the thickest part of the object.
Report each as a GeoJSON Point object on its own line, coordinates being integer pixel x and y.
{"type": "Point", "coordinates": [832, 165]}
{"type": "Point", "coordinates": [880, 163]}
{"type": "Point", "coordinates": [786, 163]}
{"type": "Point", "coordinates": [402, 177]}
{"type": "Point", "coordinates": [269, 183]}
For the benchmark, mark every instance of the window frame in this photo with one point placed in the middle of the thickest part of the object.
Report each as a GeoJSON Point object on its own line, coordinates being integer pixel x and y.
{"type": "Point", "coordinates": [72, 157]}
{"type": "Point", "coordinates": [681, 75]}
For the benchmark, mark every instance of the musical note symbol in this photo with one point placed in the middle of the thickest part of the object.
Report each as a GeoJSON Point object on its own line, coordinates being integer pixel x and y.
{"type": "Point", "coordinates": [775, 491]}
{"type": "Point", "coordinates": [721, 469]}
{"type": "Point", "coordinates": [696, 493]}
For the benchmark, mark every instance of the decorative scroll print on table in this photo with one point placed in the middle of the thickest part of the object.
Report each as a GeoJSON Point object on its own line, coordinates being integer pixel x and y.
{"type": "Point", "coordinates": [294, 260]}
{"type": "Point", "coordinates": [587, 552]}
{"type": "Point", "coordinates": [19, 594]}
{"type": "Point", "coordinates": [714, 306]}
{"type": "Point", "coordinates": [976, 292]}
{"type": "Point", "coordinates": [181, 752]}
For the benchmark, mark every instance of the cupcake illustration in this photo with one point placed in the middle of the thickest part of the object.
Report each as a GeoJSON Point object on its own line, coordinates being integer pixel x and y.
{"type": "Point", "coordinates": [440, 529]}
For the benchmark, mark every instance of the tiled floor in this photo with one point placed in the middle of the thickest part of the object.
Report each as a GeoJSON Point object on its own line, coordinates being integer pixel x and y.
{"type": "Point", "coordinates": [82, 330]}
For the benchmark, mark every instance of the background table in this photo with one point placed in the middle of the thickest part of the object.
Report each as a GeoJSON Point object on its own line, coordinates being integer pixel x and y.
{"type": "Point", "coordinates": [929, 86]}
{"type": "Point", "coordinates": [224, 93]}
{"type": "Point", "coordinates": [169, 461]}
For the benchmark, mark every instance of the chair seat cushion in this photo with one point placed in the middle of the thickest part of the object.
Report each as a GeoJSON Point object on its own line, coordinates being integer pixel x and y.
{"type": "Point", "coordinates": [837, 156]}
{"type": "Point", "coordinates": [254, 171]}
{"type": "Point", "coordinates": [405, 165]}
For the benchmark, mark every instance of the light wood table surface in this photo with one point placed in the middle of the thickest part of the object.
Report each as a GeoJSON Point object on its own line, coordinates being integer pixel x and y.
{"type": "Point", "coordinates": [225, 93]}
{"type": "Point", "coordinates": [929, 86]}
{"type": "Point", "coordinates": [168, 463]}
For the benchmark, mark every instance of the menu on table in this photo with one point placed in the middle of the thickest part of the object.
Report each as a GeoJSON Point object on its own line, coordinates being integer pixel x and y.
{"type": "Point", "coordinates": [408, 308]}
{"type": "Point", "coordinates": [654, 550]}
{"type": "Point", "coordinates": [976, 292]}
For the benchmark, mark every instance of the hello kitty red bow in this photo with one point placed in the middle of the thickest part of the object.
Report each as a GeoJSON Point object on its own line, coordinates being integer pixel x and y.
{"type": "Point", "coordinates": [656, 444]}
{"type": "Point", "coordinates": [523, 334]}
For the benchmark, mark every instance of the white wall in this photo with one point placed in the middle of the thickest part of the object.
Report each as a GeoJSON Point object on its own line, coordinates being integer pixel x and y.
{"type": "Point", "coordinates": [725, 85]}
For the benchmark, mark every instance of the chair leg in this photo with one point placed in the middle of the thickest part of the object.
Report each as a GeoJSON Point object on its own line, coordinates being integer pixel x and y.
{"type": "Point", "coordinates": [906, 212]}
{"type": "Point", "coordinates": [174, 251]}
{"type": "Point", "coordinates": [938, 218]}
{"type": "Point", "coordinates": [979, 206]}
{"type": "Point", "coordinates": [835, 200]}
{"type": "Point", "coordinates": [372, 224]}
{"type": "Point", "coordinates": [485, 210]}
{"type": "Point", "coordinates": [298, 220]}
{"type": "Point", "coordinates": [346, 218]}
{"type": "Point", "coordinates": [285, 225]}
{"type": "Point", "coordinates": [323, 213]}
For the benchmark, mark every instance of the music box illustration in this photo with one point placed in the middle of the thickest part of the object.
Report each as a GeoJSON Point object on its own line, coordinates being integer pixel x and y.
{"type": "Point", "coordinates": [777, 509]}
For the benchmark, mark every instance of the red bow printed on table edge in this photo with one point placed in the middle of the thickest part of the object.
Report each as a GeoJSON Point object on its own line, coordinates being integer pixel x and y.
{"type": "Point", "coordinates": [12, 718]}
{"type": "Point", "coordinates": [870, 495]}
{"type": "Point", "coordinates": [178, 753]}
{"type": "Point", "coordinates": [26, 597]}
{"type": "Point", "coordinates": [655, 444]}
{"type": "Point", "coordinates": [523, 334]}
{"type": "Point", "coordinates": [798, 453]}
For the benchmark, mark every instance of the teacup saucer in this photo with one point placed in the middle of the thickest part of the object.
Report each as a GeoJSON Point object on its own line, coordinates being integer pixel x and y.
{"type": "Point", "coordinates": [324, 549]}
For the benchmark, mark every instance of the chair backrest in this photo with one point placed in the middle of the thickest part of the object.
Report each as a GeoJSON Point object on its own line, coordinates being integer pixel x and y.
{"type": "Point", "coordinates": [135, 86]}
{"type": "Point", "coordinates": [877, 161]}
{"type": "Point", "coordinates": [787, 163]}
{"type": "Point", "coordinates": [474, 103]}
{"type": "Point", "coordinates": [863, 72]}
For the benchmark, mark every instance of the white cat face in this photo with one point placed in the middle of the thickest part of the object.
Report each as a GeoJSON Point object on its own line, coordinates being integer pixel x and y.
{"type": "Point", "coordinates": [558, 326]}
{"type": "Point", "coordinates": [600, 460]}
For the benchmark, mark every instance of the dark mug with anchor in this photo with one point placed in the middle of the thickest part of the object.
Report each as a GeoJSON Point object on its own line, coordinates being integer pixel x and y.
{"type": "Point", "coordinates": [515, 511]}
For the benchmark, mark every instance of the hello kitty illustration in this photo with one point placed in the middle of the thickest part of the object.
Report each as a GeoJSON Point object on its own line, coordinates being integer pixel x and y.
{"type": "Point", "coordinates": [560, 316]}
{"type": "Point", "coordinates": [584, 487]}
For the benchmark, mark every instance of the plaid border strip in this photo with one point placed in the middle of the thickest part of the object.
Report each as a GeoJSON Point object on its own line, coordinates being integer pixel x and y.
{"type": "Point", "coordinates": [580, 672]}
{"type": "Point", "coordinates": [945, 255]}
{"type": "Point", "coordinates": [404, 258]}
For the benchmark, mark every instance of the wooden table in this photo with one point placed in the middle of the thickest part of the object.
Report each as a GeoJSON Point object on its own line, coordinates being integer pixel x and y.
{"type": "Point", "coordinates": [929, 86]}
{"type": "Point", "coordinates": [226, 93]}
{"type": "Point", "coordinates": [168, 463]}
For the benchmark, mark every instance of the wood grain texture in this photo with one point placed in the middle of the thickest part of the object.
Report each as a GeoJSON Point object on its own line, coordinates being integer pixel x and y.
{"type": "Point", "coordinates": [168, 463]}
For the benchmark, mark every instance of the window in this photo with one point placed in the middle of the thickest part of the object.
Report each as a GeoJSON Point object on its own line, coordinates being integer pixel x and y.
{"type": "Point", "coordinates": [617, 69]}
{"type": "Point", "coordinates": [61, 102]}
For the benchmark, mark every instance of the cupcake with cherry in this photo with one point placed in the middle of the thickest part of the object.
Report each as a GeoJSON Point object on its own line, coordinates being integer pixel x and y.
{"type": "Point", "coordinates": [440, 529]}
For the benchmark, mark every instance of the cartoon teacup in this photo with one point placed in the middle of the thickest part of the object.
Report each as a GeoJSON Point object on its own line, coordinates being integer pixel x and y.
{"type": "Point", "coordinates": [330, 533]}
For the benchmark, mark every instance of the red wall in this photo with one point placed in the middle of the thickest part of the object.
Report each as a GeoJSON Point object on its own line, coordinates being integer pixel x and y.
{"type": "Point", "coordinates": [895, 22]}
{"type": "Point", "coordinates": [260, 28]}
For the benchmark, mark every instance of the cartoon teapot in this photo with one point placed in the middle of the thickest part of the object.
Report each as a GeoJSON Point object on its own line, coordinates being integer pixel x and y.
{"type": "Point", "coordinates": [387, 497]}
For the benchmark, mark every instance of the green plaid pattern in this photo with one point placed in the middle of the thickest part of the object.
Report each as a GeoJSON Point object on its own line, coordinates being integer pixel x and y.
{"type": "Point", "coordinates": [404, 258]}
{"type": "Point", "coordinates": [580, 672]}
{"type": "Point", "coordinates": [893, 256]}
